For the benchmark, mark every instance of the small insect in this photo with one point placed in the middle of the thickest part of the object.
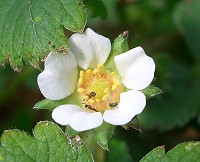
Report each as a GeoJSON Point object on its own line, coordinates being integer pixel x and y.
{"type": "Point", "coordinates": [90, 107]}
{"type": "Point", "coordinates": [112, 105]}
{"type": "Point", "coordinates": [91, 94]}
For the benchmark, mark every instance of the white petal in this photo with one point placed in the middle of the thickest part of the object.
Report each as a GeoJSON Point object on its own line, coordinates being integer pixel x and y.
{"type": "Point", "coordinates": [63, 114]}
{"type": "Point", "coordinates": [76, 117]}
{"type": "Point", "coordinates": [59, 78]}
{"type": "Point", "coordinates": [90, 48]}
{"type": "Point", "coordinates": [131, 103]}
{"type": "Point", "coordinates": [136, 68]}
{"type": "Point", "coordinates": [86, 120]}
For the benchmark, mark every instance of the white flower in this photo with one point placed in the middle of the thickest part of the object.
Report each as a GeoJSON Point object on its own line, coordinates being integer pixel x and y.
{"type": "Point", "coordinates": [101, 93]}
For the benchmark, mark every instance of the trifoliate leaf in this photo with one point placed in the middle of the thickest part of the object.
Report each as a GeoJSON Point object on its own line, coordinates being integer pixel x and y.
{"type": "Point", "coordinates": [186, 17]}
{"type": "Point", "coordinates": [151, 91]}
{"type": "Point", "coordinates": [48, 144]}
{"type": "Point", "coordinates": [187, 152]}
{"type": "Point", "coordinates": [103, 134]}
{"type": "Point", "coordinates": [30, 29]}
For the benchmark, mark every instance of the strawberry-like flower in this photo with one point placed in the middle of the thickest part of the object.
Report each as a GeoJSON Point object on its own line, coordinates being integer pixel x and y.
{"type": "Point", "coordinates": [101, 94]}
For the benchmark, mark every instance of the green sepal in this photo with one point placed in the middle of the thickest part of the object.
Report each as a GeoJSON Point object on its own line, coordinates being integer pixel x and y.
{"type": "Point", "coordinates": [151, 91]}
{"type": "Point", "coordinates": [52, 104]}
{"type": "Point", "coordinates": [119, 46]}
{"type": "Point", "coordinates": [103, 134]}
{"type": "Point", "coordinates": [48, 144]}
{"type": "Point", "coordinates": [134, 124]}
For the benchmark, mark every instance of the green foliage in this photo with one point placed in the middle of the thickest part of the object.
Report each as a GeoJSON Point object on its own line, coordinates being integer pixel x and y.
{"type": "Point", "coordinates": [186, 17]}
{"type": "Point", "coordinates": [178, 104]}
{"type": "Point", "coordinates": [52, 104]}
{"type": "Point", "coordinates": [151, 91]}
{"type": "Point", "coordinates": [30, 29]}
{"type": "Point", "coordinates": [119, 46]}
{"type": "Point", "coordinates": [103, 134]}
{"type": "Point", "coordinates": [49, 144]}
{"type": "Point", "coordinates": [97, 8]}
{"type": "Point", "coordinates": [155, 155]}
{"type": "Point", "coordinates": [187, 152]}
{"type": "Point", "coordinates": [119, 152]}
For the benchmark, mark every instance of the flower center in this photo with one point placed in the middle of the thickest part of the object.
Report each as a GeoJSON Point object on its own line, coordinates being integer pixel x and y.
{"type": "Point", "coordinates": [99, 88]}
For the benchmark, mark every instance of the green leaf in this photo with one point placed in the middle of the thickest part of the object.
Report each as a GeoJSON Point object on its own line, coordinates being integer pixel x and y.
{"type": "Point", "coordinates": [52, 104]}
{"type": "Point", "coordinates": [119, 152]}
{"type": "Point", "coordinates": [155, 155]}
{"type": "Point", "coordinates": [103, 134]}
{"type": "Point", "coordinates": [186, 17]}
{"type": "Point", "coordinates": [49, 144]}
{"type": "Point", "coordinates": [30, 29]}
{"type": "Point", "coordinates": [71, 133]}
{"type": "Point", "coordinates": [187, 152]}
{"type": "Point", "coordinates": [97, 8]}
{"type": "Point", "coordinates": [119, 46]}
{"type": "Point", "coordinates": [151, 91]}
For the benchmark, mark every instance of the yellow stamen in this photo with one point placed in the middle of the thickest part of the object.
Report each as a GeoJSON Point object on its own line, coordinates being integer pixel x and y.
{"type": "Point", "coordinates": [100, 66]}
{"type": "Point", "coordinates": [91, 101]}
{"type": "Point", "coordinates": [106, 90]}
{"type": "Point", "coordinates": [81, 90]}
{"type": "Point", "coordinates": [112, 73]}
{"type": "Point", "coordinates": [105, 97]}
{"type": "Point", "coordinates": [86, 97]}
{"type": "Point", "coordinates": [80, 81]}
{"type": "Point", "coordinates": [98, 100]}
{"type": "Point", "coordinates": [88, 71]}
{"type": "Point", "coordinates": [82, 73]}
{"type": "Point", "coordinates": [114, 86]}
{"type": "Point", "coordinates": [95, 71]}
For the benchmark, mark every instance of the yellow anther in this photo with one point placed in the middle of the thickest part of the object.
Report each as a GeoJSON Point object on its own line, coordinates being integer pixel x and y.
{"type": "Point", "coordinates": [95, 71]}
{"type": "Point", "coordinates": [112, 73]}
{"type": "Point", "coordinates": [115, 81]}
{"type": "Point", "coordinates": [85, 97]}
{"type": "Point", "coordinates": [106, 90]}
{"type": "Point", "coordinates": [91, 101]}
{"type": "Point", "coordinates": [81, 90]}
{"type": "Point", "coordinates": [98, 100]}
{"type": "Point", "coordinates": [105, 97]}
{"type": "Point", "coordinates": [82, 72]}
{"type": "Point", "coordinates": [100, 66]}
{"type": "Point", "coordinates": [114, 86]}
{"type": "Point", "coordinates": [88, 71]}
{"type": "Point", "coordinates": [80, 81]}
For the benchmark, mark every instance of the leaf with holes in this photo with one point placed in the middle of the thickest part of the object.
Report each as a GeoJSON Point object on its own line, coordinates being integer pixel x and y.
{"type": "Point", "coordinates": [50, 144]}
{"type": "Point", "coordinates": [30, 29]}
